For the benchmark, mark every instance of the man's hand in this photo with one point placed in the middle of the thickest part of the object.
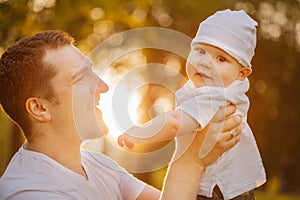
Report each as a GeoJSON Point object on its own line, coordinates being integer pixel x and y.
{"type": "Point", "coordinates": [186, 167]}
{"type": "Point", "coordinates": [228, 129]}
{"type": "Point", "coordinates": [231, 130]}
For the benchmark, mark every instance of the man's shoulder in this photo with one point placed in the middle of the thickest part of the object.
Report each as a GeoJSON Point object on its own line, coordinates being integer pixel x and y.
{"type": "Point", "coordinates": [30, 172]}
{"type": "Point", "coordinates": [14, 183]}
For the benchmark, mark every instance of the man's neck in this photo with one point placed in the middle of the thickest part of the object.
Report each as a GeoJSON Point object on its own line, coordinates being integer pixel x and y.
{"type": "Point", "coordinates": [62, 151]}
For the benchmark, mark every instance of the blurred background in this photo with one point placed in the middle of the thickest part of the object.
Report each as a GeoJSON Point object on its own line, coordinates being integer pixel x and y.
{"type": "Point", "coordinates": [274, 92]}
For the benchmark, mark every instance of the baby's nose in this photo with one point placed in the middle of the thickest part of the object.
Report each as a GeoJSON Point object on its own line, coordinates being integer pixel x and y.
{"type": "Point", "coordinates": [205, 61]}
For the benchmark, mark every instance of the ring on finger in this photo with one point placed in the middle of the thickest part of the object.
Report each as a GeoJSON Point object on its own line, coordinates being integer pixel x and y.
{"type": "Point", "coordinates": [231, 134]}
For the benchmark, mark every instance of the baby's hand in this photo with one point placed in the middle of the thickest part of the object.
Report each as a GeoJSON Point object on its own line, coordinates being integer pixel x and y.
{"type": "Point", "coordinates": [123, 139]}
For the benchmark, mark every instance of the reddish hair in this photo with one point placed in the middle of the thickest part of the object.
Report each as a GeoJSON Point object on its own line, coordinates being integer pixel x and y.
{"type": "Point", "coordinates": [25, 74]}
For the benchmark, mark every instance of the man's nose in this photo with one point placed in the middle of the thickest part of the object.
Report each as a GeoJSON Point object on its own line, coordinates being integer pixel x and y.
{"type": "Point", "coordinates": [102, 87]}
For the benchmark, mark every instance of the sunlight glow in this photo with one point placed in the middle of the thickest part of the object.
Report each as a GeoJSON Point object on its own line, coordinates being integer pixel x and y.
{"type": "Point", "coordinates": [273, 112]}
{"type": "Point", "coordinates": [139, 15]}
{"type": "Point", "coordinates": [247, 6]}
{"type": "Point", "coordinates": [105, 103]}
{"type": "Point", "coordinates": [39, 5]}
{"type": "Point", "coordinates": [134, 102]}
{"type": "Point", "coordinates": [175, 64]}
{"type": "Point", "coordinates": [276, 21]}
{"type": "Point", "coordinates": [107, 113]}
{"type": "Point", "coordinates": [164, 104]}
{"type": "Point", "coordinates": [298, 33]}
{"type": "Point", "coordinates": [161, 15]}
{"type": "Point", "coordinates": [97, 13]}
{"type": "Point", "coordinates": [103, 26]}
{"type": "Point", "coordinates": [260, 86]}
{"type": "Point", "coordinates": [272, 20]}
{"type": "Point", "coordinates": [1, 51]}
{"type": "Point", "coordinates": [112, 76]}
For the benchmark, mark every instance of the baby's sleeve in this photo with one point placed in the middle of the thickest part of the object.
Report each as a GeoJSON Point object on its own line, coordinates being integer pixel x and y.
{"type": "Point", "coordinates": [185, 92]}
{"type": "Point", "coordinates": [203, 104]}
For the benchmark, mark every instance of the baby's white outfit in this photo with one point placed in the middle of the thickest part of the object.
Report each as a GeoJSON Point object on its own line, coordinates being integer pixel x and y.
{"type": "Point", "coordinates": [240, 169]}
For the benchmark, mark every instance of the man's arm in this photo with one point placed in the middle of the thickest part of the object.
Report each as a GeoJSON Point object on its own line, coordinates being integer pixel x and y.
{"type": "Point", "coordinates": [149, 193]}
{"type": "Point", "coordinates": [186, 171]}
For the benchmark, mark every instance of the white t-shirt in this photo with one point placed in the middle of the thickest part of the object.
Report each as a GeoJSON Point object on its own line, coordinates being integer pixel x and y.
{"type": "Point", "coordinates": [32, 175]}
{"type": "Point", "coordinates": [240, 169]}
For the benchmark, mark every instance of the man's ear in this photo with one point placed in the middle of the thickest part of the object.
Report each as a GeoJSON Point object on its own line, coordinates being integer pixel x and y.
{"type": "Point", "coordinates": [38, 109]}
{"type": "Point", "coordinates": [244, 72]}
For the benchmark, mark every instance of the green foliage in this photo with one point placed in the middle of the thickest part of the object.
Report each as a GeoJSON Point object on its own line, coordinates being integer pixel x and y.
{"type": "Point", "coordinates": [5, 153]}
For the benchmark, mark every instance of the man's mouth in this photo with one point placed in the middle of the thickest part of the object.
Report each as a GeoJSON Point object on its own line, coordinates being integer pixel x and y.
{"type": "Point", "coordinates": [97, 100]}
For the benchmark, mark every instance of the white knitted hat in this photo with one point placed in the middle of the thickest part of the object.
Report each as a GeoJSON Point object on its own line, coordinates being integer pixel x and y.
{"type": "Point", "coordinates": [232, 31]}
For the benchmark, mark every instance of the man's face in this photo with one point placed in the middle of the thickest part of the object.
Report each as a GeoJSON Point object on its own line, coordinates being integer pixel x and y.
{"type": "Point", "coordinates": [77, 89]}
{"type": "Point", "coordinates": [209, 65]}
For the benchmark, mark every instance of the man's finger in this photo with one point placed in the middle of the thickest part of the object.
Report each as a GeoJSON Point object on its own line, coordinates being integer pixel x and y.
{"type": "Point", "coordinates": [228, 135]}
{"type": "Point", "coordinates": [230, 138]}
{"type": "Point", "coordinates": [232, 122]}
{"type": "Point", "coordinates": [231, 142]}
{"type": "Point", "coordinates": [223, 113]}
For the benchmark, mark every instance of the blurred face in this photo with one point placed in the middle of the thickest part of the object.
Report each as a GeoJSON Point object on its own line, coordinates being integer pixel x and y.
{"type": "Point", "coordinates": [77, 89]}
{"type": "Point", "coordinates": [209, 65]}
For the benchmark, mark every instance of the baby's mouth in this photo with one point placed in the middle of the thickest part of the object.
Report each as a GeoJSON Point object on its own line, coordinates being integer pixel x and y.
{"type": "Point", "coordinates": [203, 75]}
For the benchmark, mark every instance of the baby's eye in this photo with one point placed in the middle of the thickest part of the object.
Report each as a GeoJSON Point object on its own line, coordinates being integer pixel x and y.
{"type": "Point", "coordinates": [201, 51]}
{"type": "Point", "coordinates": [222, 59]}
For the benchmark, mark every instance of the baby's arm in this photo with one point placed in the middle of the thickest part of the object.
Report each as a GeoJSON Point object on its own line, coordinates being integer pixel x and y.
{"type": "Point", "coordinates": [163, 127]}
{"type": "Point", "coordinates": [200, 103]}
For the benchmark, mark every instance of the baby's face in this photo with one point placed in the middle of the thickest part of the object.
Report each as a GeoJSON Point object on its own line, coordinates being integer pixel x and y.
{"type": "Point", "coordinates": [209, 65]}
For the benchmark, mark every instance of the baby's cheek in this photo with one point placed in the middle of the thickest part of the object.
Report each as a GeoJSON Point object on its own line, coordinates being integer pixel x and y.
{"type": "Point", "coordinates": [198, 81]}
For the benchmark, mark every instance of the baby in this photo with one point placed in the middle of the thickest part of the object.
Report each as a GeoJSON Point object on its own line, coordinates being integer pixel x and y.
{"type": "Point", "coordinates": [217, 67]}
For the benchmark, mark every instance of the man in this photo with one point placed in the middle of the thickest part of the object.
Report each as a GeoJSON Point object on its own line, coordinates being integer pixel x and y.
{"type": "Point", "coordinates": [45, 83]}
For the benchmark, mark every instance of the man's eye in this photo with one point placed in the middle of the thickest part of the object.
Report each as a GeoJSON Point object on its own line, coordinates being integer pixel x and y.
{"type": "Point", "coordinates": [78, 79]}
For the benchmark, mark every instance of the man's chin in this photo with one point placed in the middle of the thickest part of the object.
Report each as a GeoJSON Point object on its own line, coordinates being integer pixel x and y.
{"type": "Point", "coordinates": [91, 134]}
{"type": "Point", "coordinates": [100, 122]}
{"type": "Point", "coordinates": [91, 127]}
